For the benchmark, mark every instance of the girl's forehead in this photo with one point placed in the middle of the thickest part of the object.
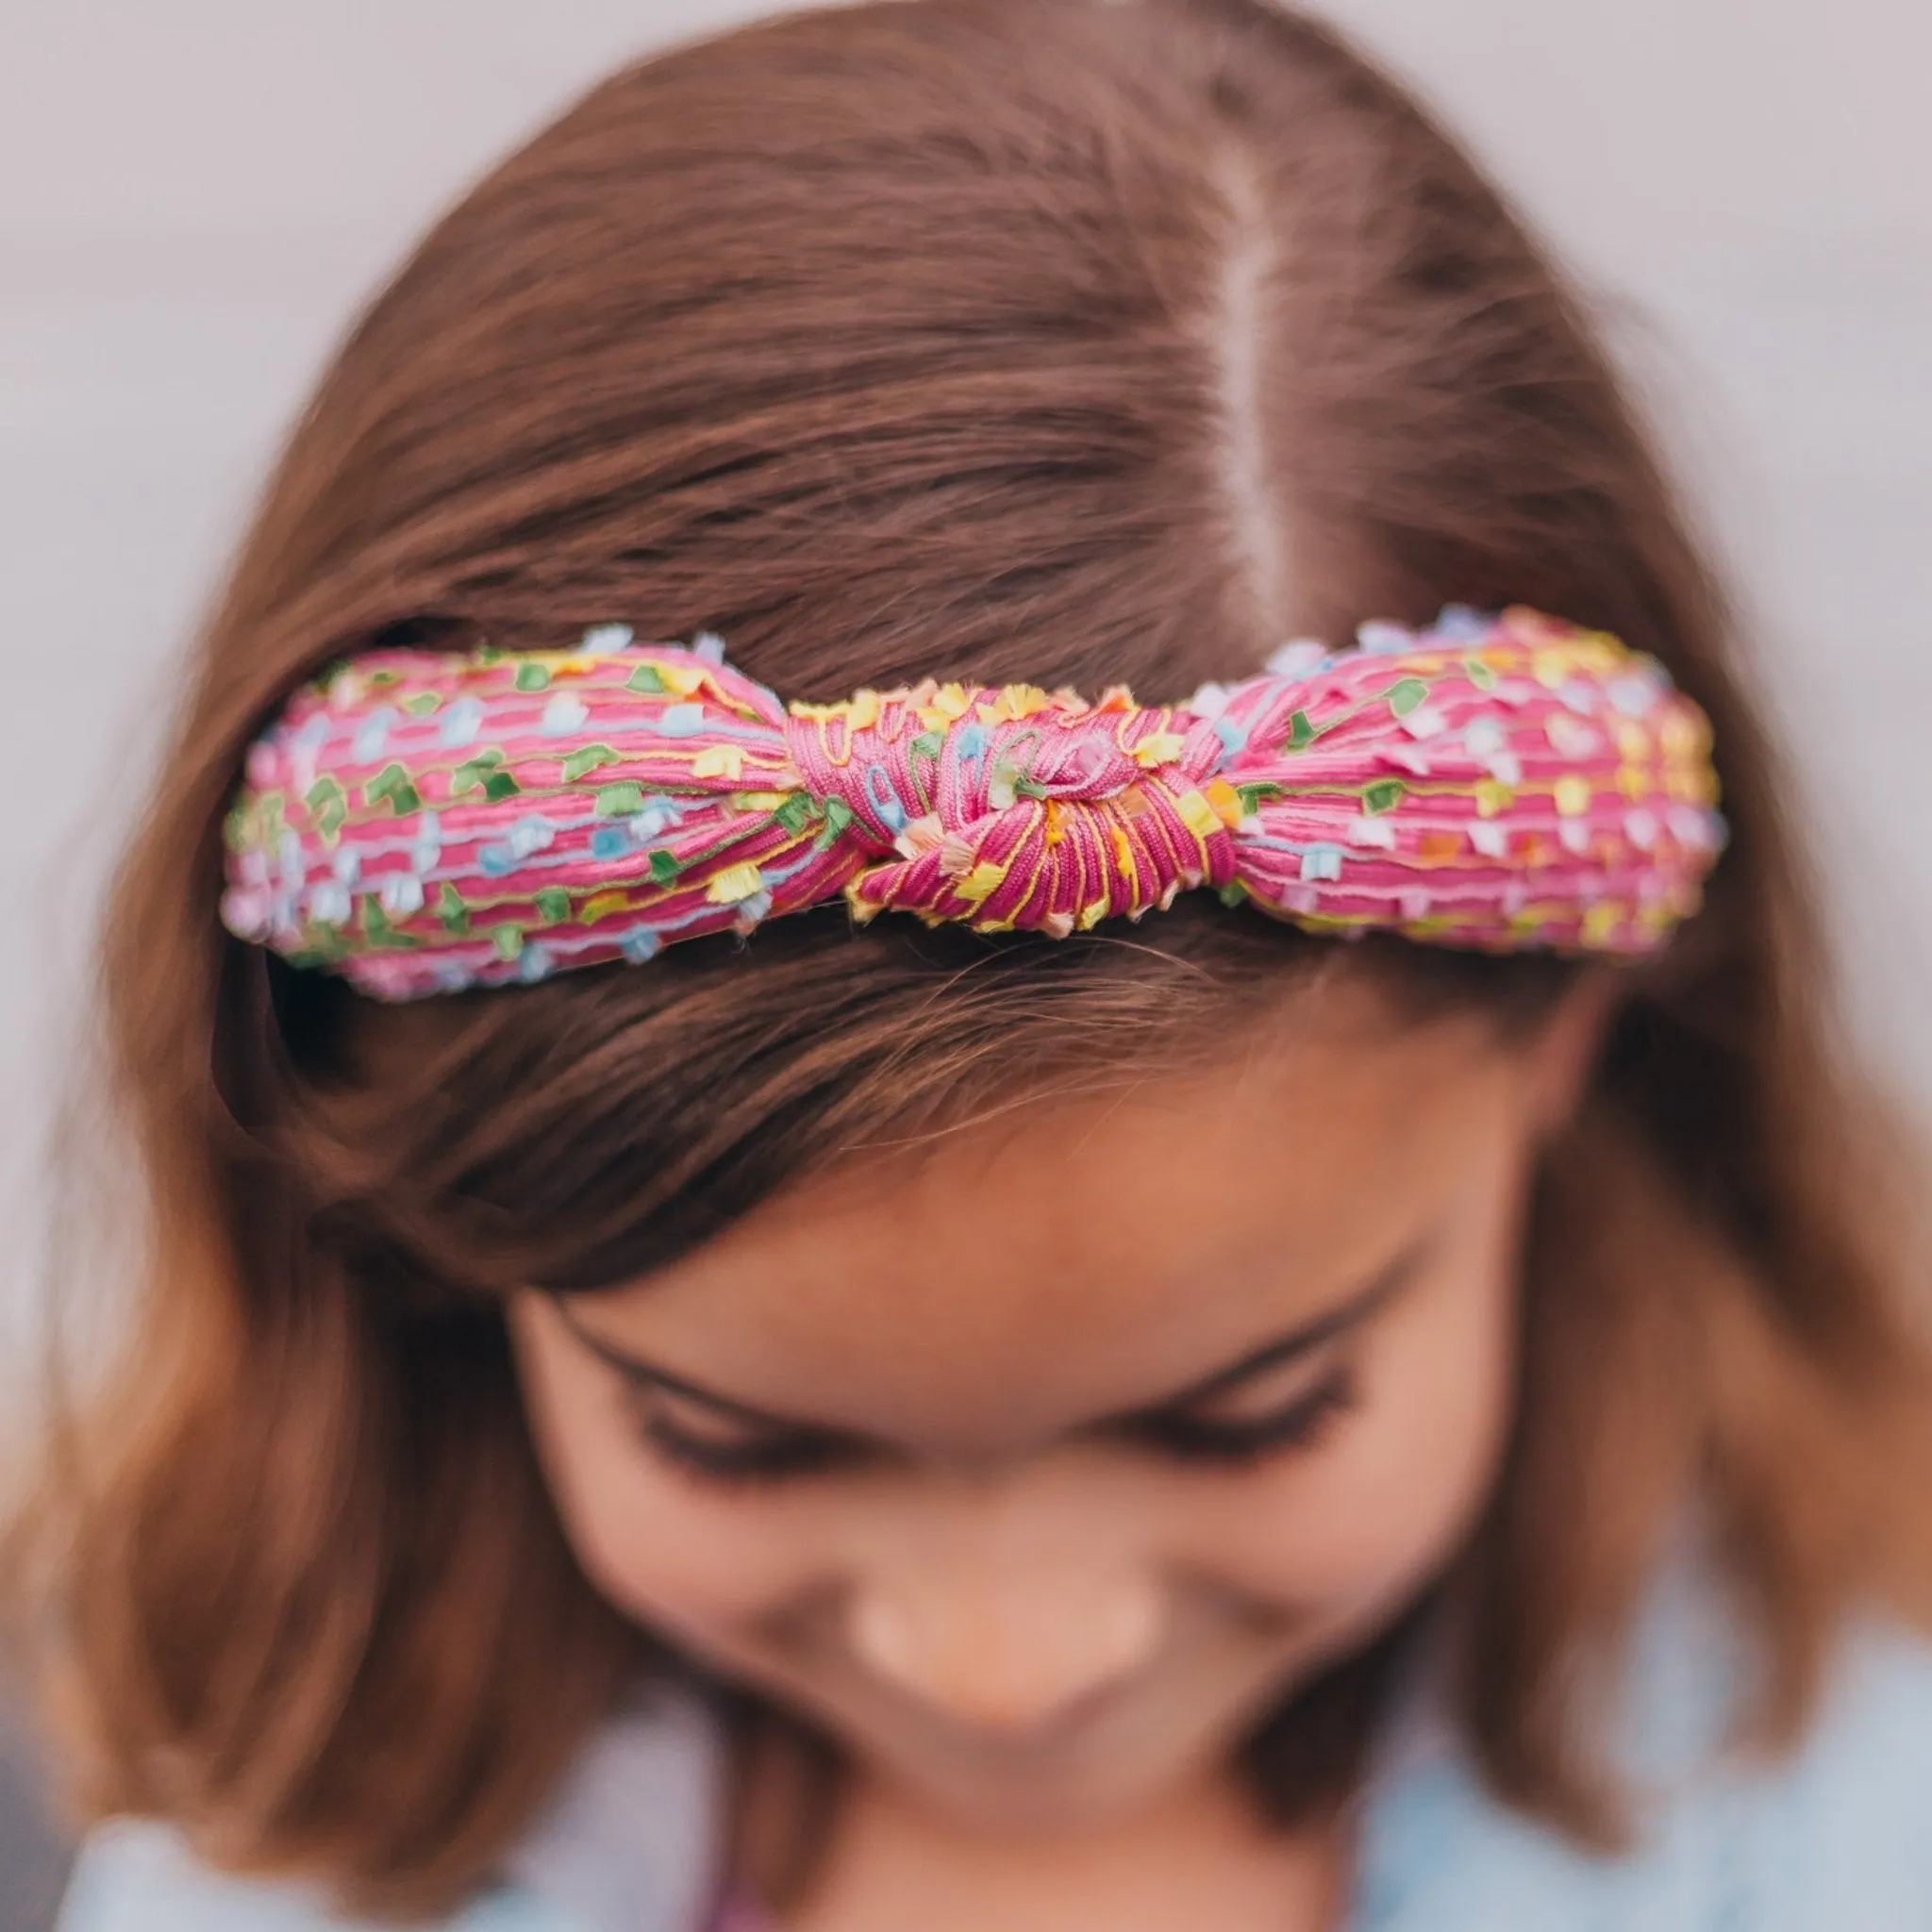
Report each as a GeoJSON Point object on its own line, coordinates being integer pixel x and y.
{"type": "Point", "coordinates": [1089, 1253]}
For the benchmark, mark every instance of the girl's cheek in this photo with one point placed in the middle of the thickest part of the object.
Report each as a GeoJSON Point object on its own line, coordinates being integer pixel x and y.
{"type": "Point", "coordinates": [1370, 1515]}
{"type": "Point", "coordinates": [669, 1552]}
{"type": "Point", "coordinates": [661, 1547]}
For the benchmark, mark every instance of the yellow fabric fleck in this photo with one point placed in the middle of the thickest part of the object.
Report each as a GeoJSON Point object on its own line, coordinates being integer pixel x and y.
{"type": "Point", "coordinates": [1572, 793]}
{"type": "Point", "coordinates": [719, 761]}
{"type": "Point", "coordinates": [1600, 921]}
{"type": "Point", "coordinates": [1227, 802]}
{"type": "Point", "coordinates": [1017, 701]}
{"type": "Point", "coordinates": [1197, 814]}
{"type": "Point", "coordinates": [948, 702]}
{"type": "Point", "coordinates": [978, 884]}
{"type": "Point", "coordinates": [1158, 748]}
{"type": "Point", "coordinates": [734, 883]}
{"type": "Point", "coordinates": [687, 680]}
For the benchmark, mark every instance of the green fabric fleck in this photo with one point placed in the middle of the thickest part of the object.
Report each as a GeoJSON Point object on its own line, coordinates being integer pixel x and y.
{"type": "Point", "coordinates": [420, 703]}
{"type": "Point", "coordinates": [795, 813]}
{"type": "Point", "coordinates": [1234, 894]}
{"type": "Point", "coordinates": [378, 928]}
{"type": "Point", "coordinates": [587, 757]}
{"type": "Point", "coordinates": [508, 938]}
{"type": "Point", "coordinates": [1384, 794]}
{"type": "Point", "coordinates": [838, 816]}
{"type": "Point", "coordinates": [664, 868]}
{"type": "Point", "coordinates": [326, 944]}
{"type": "Point", "coordinates": [1301, 733]}
{"type": "Point", "coordinates": [553, 902]}
{"type": "Point", "coordinates": [394, 784]}
{"type": "Point", "coordinates": [472, 771]}
{"type": "Point", "coordinates": [619, 801]}
{"type": "Point", "coordinates": [1479, 674]}
{"type": "Point", "coordinates": [928, 745]}
{"type": "Point", "coordinates": [1406, 695]}
{"type": "Point", "coordinates": [645, 678]}
{"type": "Point", "coordinates": [532, 676]}
{"type": "Point", "coordinates": [499, 785]}
{"type": "Point", "coordinates": [451, 910]}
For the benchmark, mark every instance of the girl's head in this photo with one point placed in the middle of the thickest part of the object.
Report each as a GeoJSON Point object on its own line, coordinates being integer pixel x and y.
{"type": "Point", "coordinates": [1041, 1364]}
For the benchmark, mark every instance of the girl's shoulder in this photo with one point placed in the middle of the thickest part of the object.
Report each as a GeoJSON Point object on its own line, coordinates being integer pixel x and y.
{"type": "Point", "coordinates": [1838, 1832]}
{"type": "Point", "coordinates": [137, 1876]}
{"type": "Point", "coordinates": [630, 1844]}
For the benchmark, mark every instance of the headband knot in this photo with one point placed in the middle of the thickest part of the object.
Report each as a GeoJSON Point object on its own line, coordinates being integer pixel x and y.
{"type": "Point", "coordinates": [425, 821]}
{"type": "Point", "coordinates": [1017, 807]}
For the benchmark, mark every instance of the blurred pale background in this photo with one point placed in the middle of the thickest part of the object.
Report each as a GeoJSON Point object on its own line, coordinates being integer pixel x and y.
{"type": "Point", "coordinates": [194, 198]}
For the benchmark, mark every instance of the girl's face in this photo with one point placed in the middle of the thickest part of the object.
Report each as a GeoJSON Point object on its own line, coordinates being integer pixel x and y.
{"type": "Point", "coordinates": [1035, 1462]}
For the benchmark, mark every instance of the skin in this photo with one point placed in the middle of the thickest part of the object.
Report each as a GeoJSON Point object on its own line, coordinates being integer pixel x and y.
{"type": "Point", "coordinates": [1035, 1619]}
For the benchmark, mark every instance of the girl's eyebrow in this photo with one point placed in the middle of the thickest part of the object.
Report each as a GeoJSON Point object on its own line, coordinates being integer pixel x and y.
{"type": "Point", "coordinates": [1345, 1316]}
{"type": "Point", "coordinates": [649, 1375]}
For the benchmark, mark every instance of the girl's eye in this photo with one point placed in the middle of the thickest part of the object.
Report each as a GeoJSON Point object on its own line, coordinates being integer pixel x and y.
{"type": "Point", "coordinates": [1236, 1430]}
{"type": "Point", "coordinates": [1240, 1427]}
{"type": "Point", "coordinates": [720, 1447]}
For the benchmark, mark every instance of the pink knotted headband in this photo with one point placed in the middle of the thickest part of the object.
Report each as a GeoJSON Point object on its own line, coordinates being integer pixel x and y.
{"type": "Point", "coordinates": [425, 820]}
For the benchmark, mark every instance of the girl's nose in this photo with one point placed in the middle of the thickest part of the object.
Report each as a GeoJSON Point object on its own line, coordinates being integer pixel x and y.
{"type": "Point", "coordinates": [1009, 1654]}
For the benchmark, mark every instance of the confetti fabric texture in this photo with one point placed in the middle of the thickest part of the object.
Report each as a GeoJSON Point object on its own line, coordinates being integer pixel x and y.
{"type": "Point", "coordinates": [428, 820]}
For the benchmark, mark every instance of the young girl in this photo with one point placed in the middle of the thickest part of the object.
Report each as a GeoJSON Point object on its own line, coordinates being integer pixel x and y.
{"type": "Point", "coordinates": [669, 1393]}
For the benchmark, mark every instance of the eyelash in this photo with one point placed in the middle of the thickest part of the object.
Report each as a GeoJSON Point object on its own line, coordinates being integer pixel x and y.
{"type": "Point", "coordinates": [1299, 1426]}
{"type": "Point", "coordinates": [1296, 1427]}
{"type": "Point", "coordinates": [756, 1459]}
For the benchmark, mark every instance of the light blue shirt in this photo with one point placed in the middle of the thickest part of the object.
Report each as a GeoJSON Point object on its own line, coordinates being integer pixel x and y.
{"type": "Point", "coordinates": [1836, 1837]}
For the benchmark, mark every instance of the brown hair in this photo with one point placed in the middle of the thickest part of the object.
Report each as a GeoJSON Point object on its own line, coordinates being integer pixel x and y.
{"type": "Point", "coordinates": [979, 338]}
